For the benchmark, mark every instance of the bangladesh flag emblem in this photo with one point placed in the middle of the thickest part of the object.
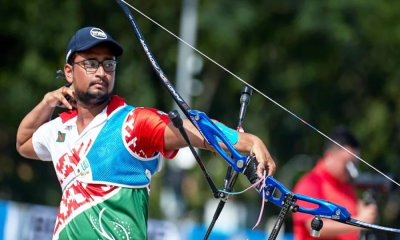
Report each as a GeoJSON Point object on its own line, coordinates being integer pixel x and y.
{"type": "Point", "coordinates": [61, 137]}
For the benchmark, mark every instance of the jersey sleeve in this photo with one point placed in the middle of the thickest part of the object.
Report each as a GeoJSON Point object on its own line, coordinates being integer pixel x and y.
{"type": "Point", "coordinates": [149, 128]}
{"type": "Point", "coordinates": [310, 186]}
{"type": "Point", "coordinates": [41, 140]}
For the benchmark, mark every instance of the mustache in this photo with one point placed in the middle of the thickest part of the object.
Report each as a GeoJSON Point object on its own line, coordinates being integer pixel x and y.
{"type": "Point", "coordinates": [102, 81]}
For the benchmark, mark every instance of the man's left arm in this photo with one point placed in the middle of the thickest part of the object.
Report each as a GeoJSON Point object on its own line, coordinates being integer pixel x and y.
{"type": "Point", "coordinates": [246, 144]}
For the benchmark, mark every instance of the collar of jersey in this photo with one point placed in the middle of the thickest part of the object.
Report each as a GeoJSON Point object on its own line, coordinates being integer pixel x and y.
{"type": "Point", "coordinates": [69, 117]}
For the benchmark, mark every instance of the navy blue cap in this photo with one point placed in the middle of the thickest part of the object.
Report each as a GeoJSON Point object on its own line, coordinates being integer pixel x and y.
{"type": "Point", "coordinates": [88, 37]}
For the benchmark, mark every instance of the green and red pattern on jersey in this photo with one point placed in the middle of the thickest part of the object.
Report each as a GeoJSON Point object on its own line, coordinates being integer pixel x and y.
{"type": "Point", "coordinates": [93, 211]}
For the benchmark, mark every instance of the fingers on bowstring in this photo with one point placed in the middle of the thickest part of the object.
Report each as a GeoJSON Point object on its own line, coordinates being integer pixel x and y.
{"type": "Point", "coordinates": [65, 98]}
{"type": "Point", "coordinates": [70, 97]}
{"type": "Point", "coordinates": [64, 103]}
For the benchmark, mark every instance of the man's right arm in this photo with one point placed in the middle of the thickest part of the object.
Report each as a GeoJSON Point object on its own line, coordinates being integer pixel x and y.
{"type": "Point", "coordinates": [37, 117]}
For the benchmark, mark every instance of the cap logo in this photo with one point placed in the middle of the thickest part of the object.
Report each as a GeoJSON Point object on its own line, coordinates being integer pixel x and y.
{"type": "Point", "coordinates": [98, 33]}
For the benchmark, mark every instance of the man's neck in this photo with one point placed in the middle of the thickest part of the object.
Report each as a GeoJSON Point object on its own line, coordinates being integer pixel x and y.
{"type": "Point", "coordinates": [86, 114]}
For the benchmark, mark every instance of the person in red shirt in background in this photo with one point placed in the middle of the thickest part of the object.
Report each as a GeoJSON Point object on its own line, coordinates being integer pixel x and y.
{"type": "Point", "coordinates": [329, 180]}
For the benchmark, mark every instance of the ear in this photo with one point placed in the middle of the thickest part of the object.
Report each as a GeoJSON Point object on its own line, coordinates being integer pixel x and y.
{"type": "Point", "coordinates": [68, 71]}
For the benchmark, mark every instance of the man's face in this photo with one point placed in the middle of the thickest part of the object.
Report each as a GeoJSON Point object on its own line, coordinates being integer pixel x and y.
{"type": "Point", "coordinates": [338, 158]}
{"type": "Point", "coordinates": [93, 88]}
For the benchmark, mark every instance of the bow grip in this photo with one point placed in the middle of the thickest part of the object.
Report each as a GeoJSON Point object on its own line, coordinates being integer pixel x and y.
{"type": "Point", "coordinates": [251, 171]}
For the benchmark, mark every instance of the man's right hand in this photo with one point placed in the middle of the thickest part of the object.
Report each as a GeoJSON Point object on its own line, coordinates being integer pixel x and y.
{"type": "Point", "coordinates": [366, 213]}
{"type": "Point", "coordinates": [40, 115]}
{"type": "Point", "coordinates": [59, 98]}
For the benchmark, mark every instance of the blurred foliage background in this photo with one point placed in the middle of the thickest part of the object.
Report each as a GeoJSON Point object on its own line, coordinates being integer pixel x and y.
{"type": "Point", "coordinates": [330, 62]}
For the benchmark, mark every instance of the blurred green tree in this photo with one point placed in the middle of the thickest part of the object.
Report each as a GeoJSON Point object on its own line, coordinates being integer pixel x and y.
{"type": "Point", "coordinates": [330, 62]}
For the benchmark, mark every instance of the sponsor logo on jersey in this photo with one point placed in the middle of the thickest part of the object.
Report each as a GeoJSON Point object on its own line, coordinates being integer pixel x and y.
{"type": "Point", "coordinates": [84, 170]}
{"type": "Point", "coordinates": [84, 164]}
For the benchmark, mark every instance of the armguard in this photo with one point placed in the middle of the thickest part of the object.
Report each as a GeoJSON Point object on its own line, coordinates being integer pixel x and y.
{"type": "Point", "coordinates": [230, 134]}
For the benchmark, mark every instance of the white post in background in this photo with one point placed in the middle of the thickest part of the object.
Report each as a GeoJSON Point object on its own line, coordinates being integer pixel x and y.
{"type": "Point", "coordinates": [189, 64]}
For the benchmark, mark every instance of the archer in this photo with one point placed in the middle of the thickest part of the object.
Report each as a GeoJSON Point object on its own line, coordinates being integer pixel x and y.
{"type": "Point", "coordinates": [104, 151]}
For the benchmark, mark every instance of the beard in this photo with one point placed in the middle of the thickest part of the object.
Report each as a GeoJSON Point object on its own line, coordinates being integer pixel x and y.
{"type": "Point", "coordinates": [91, 97]}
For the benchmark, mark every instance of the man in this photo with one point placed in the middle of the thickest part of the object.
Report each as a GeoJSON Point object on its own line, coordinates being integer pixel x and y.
{"type": "Point", "coordinates": [329, 180]}
{"type": "Point", "coordinates": [104, 151]}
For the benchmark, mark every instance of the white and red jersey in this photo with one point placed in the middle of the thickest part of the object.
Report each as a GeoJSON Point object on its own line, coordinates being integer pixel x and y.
{"type": "Point", "coordinates": [121, 148]}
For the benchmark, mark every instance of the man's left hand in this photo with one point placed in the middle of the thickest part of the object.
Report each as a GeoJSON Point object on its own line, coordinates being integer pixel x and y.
{"type": "Point", "coordinates": [265, 161]}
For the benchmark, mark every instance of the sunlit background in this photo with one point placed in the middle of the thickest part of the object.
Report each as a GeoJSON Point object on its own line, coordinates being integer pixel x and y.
{"type": "Point", "coordinates": [331, 62]}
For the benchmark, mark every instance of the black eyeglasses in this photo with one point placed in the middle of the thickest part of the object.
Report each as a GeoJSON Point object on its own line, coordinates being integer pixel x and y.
{"type": "Point", "coordinates": [91, 65]}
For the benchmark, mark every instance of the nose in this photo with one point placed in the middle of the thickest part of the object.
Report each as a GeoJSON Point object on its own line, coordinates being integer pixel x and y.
{"type": "Point", "coordinates": [100, 70]}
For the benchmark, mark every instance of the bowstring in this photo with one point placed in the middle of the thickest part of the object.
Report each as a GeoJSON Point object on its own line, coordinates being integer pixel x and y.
{"type": "Point", "coordinates": [262, 94]}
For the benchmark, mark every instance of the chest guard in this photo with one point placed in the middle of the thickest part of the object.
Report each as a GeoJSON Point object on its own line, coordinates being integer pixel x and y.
{"type": "Point", "coordinates": [110, 162]}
